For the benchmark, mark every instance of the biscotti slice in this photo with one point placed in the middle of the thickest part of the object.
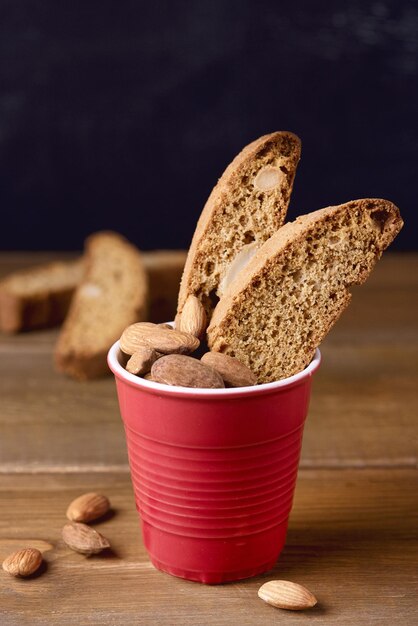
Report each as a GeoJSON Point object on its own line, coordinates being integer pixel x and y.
{"type": "Point", "coordinates": [111, 296]}
{"type": "Point", "coordinates": [38, 297]}
{"type": "Point", "coordinates": [246, 207]}
{"type": "Point", "coordinates": [283, 304]}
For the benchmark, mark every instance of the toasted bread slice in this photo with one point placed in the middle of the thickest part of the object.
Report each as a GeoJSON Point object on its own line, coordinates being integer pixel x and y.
{"type": "Point", "coordinates": [246, 207]}
{"type": "Point", "coordinates": [38, 297]}
{"type": "Point", "coordinates": [112, 295]}
{"type": "Point", "coordinates": [282, 305]}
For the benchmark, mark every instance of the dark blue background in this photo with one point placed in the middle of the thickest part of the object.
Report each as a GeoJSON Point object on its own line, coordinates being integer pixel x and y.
{"type": "Point", "coordinates": [123, 115]}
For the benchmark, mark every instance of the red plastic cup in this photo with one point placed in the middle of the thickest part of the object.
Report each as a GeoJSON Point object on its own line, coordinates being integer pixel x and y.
{"type": "Point", "coordinates": [213, 470]}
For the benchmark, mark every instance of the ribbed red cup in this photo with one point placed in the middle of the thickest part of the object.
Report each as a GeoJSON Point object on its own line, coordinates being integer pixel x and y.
{"type": "Point", "coordinates": [213, 470]}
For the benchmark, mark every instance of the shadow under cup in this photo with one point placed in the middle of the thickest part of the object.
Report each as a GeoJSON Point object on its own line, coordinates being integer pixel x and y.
{"type": "Point", "coordinates": [213, 470]}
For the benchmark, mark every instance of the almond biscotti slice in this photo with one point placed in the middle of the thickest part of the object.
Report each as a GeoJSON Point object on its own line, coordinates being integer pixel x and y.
{"type": "Point", "coordinates": [246, 207]}
{"type": "Point", "coordinates": [38, 297]}
{"type": "Point", "coordinates": [282, 305]}
{"type": "Point", "coordinates": [112, 295]}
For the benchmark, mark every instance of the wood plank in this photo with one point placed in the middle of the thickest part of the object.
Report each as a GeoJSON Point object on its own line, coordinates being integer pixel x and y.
{"type": "Point", "coordinates": [363, 409]}
{"type": "Point", "coordinates": [49, 421]}
{"type": "Point", "coordinates": [352, 540]}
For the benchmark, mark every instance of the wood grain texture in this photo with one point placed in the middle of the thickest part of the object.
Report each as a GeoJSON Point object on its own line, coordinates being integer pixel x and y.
{"type": "Point", "coordinates": [362, 411]}
{"type": "Point", "coordinates": [352, 541]}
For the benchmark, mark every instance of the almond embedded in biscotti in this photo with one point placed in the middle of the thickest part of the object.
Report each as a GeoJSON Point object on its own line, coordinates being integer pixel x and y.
{"type": "Point", "coordinates": [90, 291]}
{"type": "Point", "coordinates": [141, 361]}
{"type": "Point", "coordinates": [185, 371]}
{"type": "Point", "coordinates": [160, 339]}
{"type": "Point", "coordinates": [237, 265]}
{"type": "Point", "coordinates": [88, 507]}
{"type": "Point", "coordinates": [233, 372]}
{"type": "Point", "coordinates": [23, 562]}
{"type": "Point", "coordinates": [284, 594]}
{"type": "Point", "coordinates": [268, 178]}
{"type": "Point", "coordinates": [193, 317]}
{"type": "Point", "coordinates": [84, 539]}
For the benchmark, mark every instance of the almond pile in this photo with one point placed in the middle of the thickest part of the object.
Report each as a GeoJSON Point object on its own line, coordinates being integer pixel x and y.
{"type": "Point", "coordinates": [76, 535]}
{"type": "Point", "coordinates": [159, 353]}
{"type": "Point", "coordinates": [84, 539]}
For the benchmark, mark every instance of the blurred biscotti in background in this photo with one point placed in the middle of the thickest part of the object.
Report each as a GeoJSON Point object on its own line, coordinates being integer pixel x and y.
{"type": "Point", "coordinates": [112, 285]}
{"type": "Point", "coordinates": [113, 293]}
{"type": "Point", "coordinates": [38, 297]}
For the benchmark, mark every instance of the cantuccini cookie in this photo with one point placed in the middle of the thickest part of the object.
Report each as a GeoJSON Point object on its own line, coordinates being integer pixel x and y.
{"type": "Point", "coordinates": [38, 297]}
{"type": "Point", "coordinates": [112, 295]}
{"type": "Point", "coordinates": [246, 207]}
{"type": "Point", "coordinates": [277, 311]}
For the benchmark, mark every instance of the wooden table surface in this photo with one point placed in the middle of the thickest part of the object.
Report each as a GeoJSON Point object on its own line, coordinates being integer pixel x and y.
{"type": "Point", "coordinates": [352, 537]}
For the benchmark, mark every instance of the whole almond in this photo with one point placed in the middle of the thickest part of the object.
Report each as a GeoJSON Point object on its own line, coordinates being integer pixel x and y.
{"type": "Point", "coordinates": [88, 507]}
{"type": "Point", "coordinates": [193, 318]}
{"type": "Point", "coordinates": [23, 562]}
{"type": "Point", "coordinates": [286, 595]}
{"type": "Point", "coordinates": [185, 371]}
{"type": "Point", "coordinates": [141, 361]}
{"type": "Point", "coordinates": [171, 341]}
{"type": "Point", "coordinates": [233, 372]}
{"type": "Point", "coordinates": [133, 335]}
{"type": "Point", "coordinates": [84, 539]}
{"type": "Point", "coordinates": [157, 338]}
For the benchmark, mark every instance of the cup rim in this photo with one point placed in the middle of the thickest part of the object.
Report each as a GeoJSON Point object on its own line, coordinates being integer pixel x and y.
{"type": "Point", "coordinates": [173, 390]}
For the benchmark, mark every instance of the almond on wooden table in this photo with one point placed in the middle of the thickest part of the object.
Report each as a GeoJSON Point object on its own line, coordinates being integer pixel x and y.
{"type": "Point", "coordinates": [160, 339]}
{"type": "Point", "coordinates": [284, 594]}
{"type": "Point", "coordinates": [84, 539]}
{"type": "Point", "coordinates": [88, 507]}
{"type": "Point", "coordinates": [185, 371]}
{"type": "Point", "coordinates": [233, 372]}
{"type": "Point", "coordinates": [193, 318]}
{"type": "Point", "coordinates": [23, 562]}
